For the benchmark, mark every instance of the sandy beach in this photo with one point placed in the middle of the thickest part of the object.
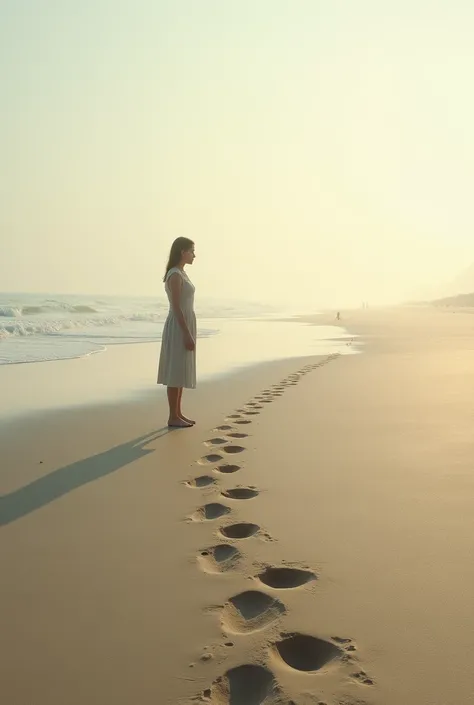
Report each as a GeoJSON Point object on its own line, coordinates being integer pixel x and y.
{"type": "Point", "coordinates": [308, 542]}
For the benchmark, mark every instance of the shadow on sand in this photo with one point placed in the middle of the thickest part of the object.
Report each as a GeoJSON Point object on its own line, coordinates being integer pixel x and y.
{"type": "Point", "coordinates": [46, 489]}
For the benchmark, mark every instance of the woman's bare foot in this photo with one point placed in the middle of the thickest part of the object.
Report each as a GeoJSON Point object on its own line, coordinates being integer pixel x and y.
{"type": "Point", "coordinates": [185, 418]}
{"type": "Point", "coordinates": [179, 423]}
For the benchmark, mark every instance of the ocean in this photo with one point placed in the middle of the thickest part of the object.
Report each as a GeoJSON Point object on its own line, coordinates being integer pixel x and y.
{"type": "Point", "coordinates": [68, 333]}
{"type": "Point", "coordinates": [46, 327]}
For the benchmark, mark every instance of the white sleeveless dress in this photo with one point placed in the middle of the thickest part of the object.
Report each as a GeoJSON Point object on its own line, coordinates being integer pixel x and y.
{"type": "Point", "coordinates": [177, 366]}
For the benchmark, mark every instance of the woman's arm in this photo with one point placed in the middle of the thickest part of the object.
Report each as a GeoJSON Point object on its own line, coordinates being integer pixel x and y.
{"type": "Point", "coordinates": [175, 283]}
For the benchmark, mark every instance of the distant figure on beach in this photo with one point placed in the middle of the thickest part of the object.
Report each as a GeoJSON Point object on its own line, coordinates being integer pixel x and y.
{"type": "Point", "coordinates": [177, 366]}
{"type": "Point", "coordinates": [338, 316]}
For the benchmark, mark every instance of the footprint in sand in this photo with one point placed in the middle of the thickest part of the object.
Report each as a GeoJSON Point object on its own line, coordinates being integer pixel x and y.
{"type": "Point", "coordinates": [243, 421]}
{"type": "Point", "coordinates": [251, 413]}
{"type": "Point", "coordinates": [236, 434]}
{"type": "Point", "coordinates": [250, 611]}
{"type": "Point", "coordinates": [305, 653]}
{"type": "Point", "coordinates": [242, 530]}
{"type": "Point", "coordinates": [220, 558]}
{"type": "Point", "coordinates": [227, 469]}
{"type": "Point", "coordinates": [234, 416]}
{"type": "Point", "coordinates": [210, 459]}
{"type": "Point", "coordinates": [244, 685]}
{"type": "Point", "coordinates": [285, 578]}
{"type": "Point", "coordinates": [225, 427]}
{"type": "Point", "coordinates": [233, 449]}
{"type": "Point", "coordinates": [210, 512]}
{"type": "Point", "coordinates": [241, 493]}
{"type": "Point", "coordinates": [201, 481]}
{"type": "Point", "coordinates": [215, 442]}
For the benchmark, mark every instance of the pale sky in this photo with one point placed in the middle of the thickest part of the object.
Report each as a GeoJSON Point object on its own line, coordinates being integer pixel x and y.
{"type": "Point", "coordinates": [315, 151]}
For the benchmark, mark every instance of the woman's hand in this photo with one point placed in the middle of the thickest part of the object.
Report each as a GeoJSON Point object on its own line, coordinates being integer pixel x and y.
{"type": "Point", "coordinates": [189, 343]}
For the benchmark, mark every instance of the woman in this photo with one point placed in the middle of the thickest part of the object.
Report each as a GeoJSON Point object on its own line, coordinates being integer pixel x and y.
{"type": "Point", "coordinates": [177, 368]}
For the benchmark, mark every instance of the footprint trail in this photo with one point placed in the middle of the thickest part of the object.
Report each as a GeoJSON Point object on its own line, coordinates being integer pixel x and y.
{"type": "Point", "coordinates": [253, 611]}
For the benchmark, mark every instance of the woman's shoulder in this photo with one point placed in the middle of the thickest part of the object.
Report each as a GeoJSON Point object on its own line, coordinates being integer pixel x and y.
{"type": "Point", "coordinates": [173, 270]}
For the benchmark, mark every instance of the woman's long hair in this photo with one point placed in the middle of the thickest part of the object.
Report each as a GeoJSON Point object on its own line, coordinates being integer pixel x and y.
{"type": "Point", "coordinates": [180, 245]}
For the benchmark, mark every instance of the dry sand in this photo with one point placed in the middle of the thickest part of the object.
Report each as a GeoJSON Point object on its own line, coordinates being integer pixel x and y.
{"type": "Point", "coordinates": [333, 565]}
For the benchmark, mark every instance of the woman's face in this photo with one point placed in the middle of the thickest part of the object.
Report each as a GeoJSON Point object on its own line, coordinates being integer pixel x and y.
{"type": "Point", "coordinates": [188, 256]}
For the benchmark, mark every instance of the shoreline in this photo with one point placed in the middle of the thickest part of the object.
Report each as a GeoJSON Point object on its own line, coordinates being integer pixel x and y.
{"type": "Point", "coordinates": [125, 372]}
{"type": "Point", "coordinates": [144, 412]}
{"type": "Point", "coordinates": [150, 397]}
